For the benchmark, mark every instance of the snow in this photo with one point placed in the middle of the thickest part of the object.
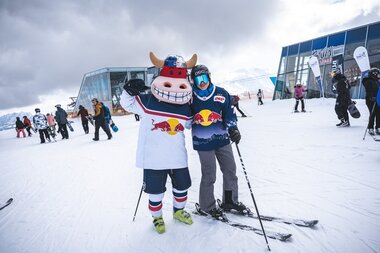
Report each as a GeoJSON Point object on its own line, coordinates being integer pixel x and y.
{"type": "Point", "coordinates": [79, 196]}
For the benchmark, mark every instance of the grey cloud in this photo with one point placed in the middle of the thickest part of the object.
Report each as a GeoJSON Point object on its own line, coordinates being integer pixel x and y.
{"type": "Point", "coordinates": [49, 45]}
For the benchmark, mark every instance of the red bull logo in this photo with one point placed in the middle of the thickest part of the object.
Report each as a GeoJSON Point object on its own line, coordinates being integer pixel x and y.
{"type": "Point", "coordinates": [170, 126]}
{"type": "Point", "coordinates": [206, 118]}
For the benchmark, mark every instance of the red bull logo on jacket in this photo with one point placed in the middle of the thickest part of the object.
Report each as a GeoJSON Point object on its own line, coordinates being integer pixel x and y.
{"type": "Point", "coordinates": [206, 118]}
{"type": "Point", "coordinates": [170, 126]}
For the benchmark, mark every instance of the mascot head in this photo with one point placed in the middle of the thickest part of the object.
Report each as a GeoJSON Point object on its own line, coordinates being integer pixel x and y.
{"type": "Point", "coordinates": [172, 86]}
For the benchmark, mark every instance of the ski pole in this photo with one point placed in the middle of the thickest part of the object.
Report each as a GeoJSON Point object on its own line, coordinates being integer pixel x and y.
{"type": "Point", "coordinates": [138, 201]}
{"type": "Point", "coordinates": [370, 115]}
{"type": "Point", "coordinates": [253, 198]}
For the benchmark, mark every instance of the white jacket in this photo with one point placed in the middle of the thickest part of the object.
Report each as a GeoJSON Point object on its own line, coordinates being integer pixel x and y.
{"type": "Point", "coordinates": [161, 143]}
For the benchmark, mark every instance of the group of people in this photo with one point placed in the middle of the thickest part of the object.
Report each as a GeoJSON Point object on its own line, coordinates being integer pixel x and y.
{"type": "Point", "coordinates": [45, 124]}
{"type": "Point", "coordinates": [201, 106]}
{"type": "Point", "coordinates": [341, 86]}
{"type": "Point", "coordinates": [371, 83]}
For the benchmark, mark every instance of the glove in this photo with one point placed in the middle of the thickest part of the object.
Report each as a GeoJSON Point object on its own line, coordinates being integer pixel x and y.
{"type": "Point", "coordinates": [135, 86]}
{"type": "Point", "coordinates": [234, 134]}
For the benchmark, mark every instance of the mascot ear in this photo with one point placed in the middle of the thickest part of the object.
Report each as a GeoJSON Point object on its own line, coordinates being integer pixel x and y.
{"type": "Point", "coordinates": [156, 61]}
{"type": "Point", "coordinates": [135, 86]}
{"type": "Point", "coordinates": [191, 63]}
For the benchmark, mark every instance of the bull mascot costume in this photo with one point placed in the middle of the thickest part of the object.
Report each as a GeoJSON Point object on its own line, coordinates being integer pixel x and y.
{"type": "Point", "coordinates": [161, 151]}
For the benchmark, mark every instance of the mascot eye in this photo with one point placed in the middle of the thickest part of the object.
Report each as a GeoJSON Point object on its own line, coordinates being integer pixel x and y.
{"type": "Point", "coordinates": [183, 86]}
{"type": "Point", "coordinates": [167, 85]}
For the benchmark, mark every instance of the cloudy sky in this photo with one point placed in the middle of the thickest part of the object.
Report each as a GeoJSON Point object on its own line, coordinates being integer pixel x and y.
{"type": "Point", "coordinates": [46, 46]}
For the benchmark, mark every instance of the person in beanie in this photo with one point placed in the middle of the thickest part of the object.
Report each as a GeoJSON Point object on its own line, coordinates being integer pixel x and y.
{"type": "Point", "coordinates": [298, 95]}
{"type": "Point", "coordinates": [371, 84]}
{"type": "Point", "coordinates": [84, 118]}
{"type": "Point", "coordinates": [51, 124]}
{"type": "Point", "coordinates": [214, 127]}
{"type": "Point", "coordinates": [61, 118]}
{"type": "Point", "coordinates": [40, 123]}
{"type": "Point", "coordinates": [28, 125]}
{"type": "Point", "coordinates": [100, 121]}
{"type": "Point", "coordinates": [20, 127]}
{"type": "Point", "coordinates": [161, 151]}
{"type": "Point", "coordinates": [235, 104]}
{"type": "Point", "coordinates": [260, 96]}
{"type": "Point", "coordinates": [343, 98]}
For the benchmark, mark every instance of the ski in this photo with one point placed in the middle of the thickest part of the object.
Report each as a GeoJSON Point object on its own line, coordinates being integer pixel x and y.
{"type": "Point", "coordinates": [298, 222]}
{"type": "Point", "coordinates": [271, 234]}
{"type": "Point", "coordinates": [6, 204]}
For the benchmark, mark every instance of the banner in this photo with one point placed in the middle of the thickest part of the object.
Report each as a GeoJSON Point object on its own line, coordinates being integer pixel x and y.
{"type": "Point", "coordinates": [314, 65]}
{"type": "Point", "coordinates": [361, 58]}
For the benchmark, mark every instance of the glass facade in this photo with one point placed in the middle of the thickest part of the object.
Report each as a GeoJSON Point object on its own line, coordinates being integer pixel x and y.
{"type": "Point", "coordinates": [107, 85]}
{"type": "Point", "coordinates": [293, 67]}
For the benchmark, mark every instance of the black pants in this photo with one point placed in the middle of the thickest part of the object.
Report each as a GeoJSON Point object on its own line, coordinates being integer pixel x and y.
{"type": "Point", "coordinates": [104, 126]}
{"type": "Point", "coordinates": [241, 112]}
{"type": "Point", "coordinates": [28, 129]}
{"type": "Point", "coordinates": [375, 114]}
{"type": "Point", "coordinates": [260, 101]}
{"type": "Point", "coordinates": [302, 104]}
{"type": "Point", "coordinates": [42, 133]}
{"type": "Point", "coordinates": [85, 126]}
{"type": "Point", "coordinates": [341, 110]}
{"type": "Point", "coordinates": [62, 128]}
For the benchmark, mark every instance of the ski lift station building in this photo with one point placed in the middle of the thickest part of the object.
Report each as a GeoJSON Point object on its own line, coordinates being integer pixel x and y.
{"type": "Point", "coordinates": [106, 85]}
{"type": "Point", "coordinates": [293, 67]}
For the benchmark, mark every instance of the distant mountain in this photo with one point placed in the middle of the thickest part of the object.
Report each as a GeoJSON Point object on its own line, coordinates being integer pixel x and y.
{"type": "Point", "coordinates": [8, 121]}
{"type": "Point", "coordinates": [248, 82]}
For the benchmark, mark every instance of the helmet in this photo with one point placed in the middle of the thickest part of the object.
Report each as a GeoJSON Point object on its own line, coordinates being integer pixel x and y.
{"type": "Point", "coordinates": [199, 70]}
{"type": "Point", "coordinates": [37, 110]}
{"type": "Point", "coordinates": [334, 72]}
{"type": "Point", "coordinates": [374, 72]}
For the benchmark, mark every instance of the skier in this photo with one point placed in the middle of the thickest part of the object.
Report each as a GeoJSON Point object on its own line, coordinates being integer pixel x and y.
{"type": "Point", "coordinates": [214, 125]}
{"type": "Point", "coordinates": [61, 118]}
{"type": "Point", "coordinates": [298, 95]}
{"type": "Point", "coordinates": [40, 123]}
{"type": "Point", "coordinates": [161, 150]}
{"type": "Point", "coordinates": [343, 97]}
{"type": "Point", "coordinates": [260, 96]}
{"type": "Point", "coordinates": [84, 118]}
{"type": "Point", "coordinates": [235, 104]}
{"type": "Point", "coordinates": [371, 85]}
{"type": "Point", "coordinates": [51, 124]}
{"type": "Point", "coordinates": [28, 125]}
{"type": "Point", "coordinates": [20, 127]}
{"type": "Point", "coordinates": [99, 120]}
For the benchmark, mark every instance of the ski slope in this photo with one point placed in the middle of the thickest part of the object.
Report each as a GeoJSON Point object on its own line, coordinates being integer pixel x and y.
{"type": "Point", "coordinates": [79, 196]}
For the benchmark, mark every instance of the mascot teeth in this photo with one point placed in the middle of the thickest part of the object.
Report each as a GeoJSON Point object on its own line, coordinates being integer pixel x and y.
{"type": "Point", "coordinates": [173, 96]}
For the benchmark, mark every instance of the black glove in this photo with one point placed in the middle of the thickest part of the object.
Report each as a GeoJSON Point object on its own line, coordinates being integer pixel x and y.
{"type": "Point", "coordinates": [234, 134]}
{"type": "Point", "coordinates": [135, 86]}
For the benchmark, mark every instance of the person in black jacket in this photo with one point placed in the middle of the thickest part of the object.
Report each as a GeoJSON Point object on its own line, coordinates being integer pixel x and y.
{"type": "Point", "coordinates": [371, 85]}
{"type": "Point", "coordinates": [61, 118]}
{"type": "Point", "coordinates": [20, 127]}
{"type": "Point", "coordinates": [343, 98]}
{"type": "Point", "coordinates": [84, 117]}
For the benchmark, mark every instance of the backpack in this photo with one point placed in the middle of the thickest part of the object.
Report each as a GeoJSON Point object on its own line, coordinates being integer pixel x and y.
{"type": "Point", "coordinates": [106, 111]}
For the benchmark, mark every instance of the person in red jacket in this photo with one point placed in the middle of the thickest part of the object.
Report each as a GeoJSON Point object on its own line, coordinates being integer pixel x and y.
{"type": "Point", "coordinates": [28, 125]}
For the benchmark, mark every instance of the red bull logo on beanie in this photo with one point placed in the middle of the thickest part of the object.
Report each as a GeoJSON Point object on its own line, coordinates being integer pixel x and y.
{"type": "Point", "coordinates": [206, 118]}
{"type": "Point", "coordinates": [170, 126]}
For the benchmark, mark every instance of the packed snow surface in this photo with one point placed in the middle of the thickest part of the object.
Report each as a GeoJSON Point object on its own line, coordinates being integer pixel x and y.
{"type": "Point", "coordinates": [79, 196]}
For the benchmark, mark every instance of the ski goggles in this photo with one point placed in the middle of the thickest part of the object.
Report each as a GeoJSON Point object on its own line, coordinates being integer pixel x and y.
{"type": "Point", "coordinates": [202, 78]}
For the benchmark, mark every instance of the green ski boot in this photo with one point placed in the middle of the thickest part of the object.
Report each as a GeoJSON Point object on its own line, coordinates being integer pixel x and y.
{"type": "Point", "coordinates": [159, 224]}
{"type": "Point", "coordinates": [183, 216]}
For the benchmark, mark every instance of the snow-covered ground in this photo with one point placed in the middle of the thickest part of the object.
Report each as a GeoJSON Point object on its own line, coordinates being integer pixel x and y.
{"type": "Point", "coordinates": [79, 196]}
